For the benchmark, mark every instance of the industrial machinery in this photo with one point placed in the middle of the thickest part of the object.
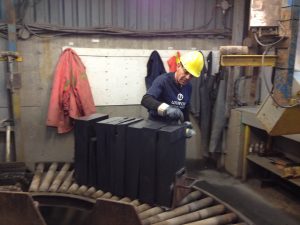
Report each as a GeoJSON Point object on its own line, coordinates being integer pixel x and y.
{"type": "Point", "coordinates": [127, 171]}
{"type": "Point", "coordinates": [275, 24]}
{"type": "Point", "coordinates": [54, 197]}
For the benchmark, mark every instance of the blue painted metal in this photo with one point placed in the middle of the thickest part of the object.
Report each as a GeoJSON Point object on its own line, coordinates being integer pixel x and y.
{"type": "Point", "coordinates": [284, 80]}
{"type": "Point", "coordinates": [12, 44]}
{"type": "Point", "coordinates": [289, 3]}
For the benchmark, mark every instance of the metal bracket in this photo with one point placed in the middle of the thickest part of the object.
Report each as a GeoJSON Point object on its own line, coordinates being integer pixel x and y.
{"type": "Point", "coordinates": [8, 55]}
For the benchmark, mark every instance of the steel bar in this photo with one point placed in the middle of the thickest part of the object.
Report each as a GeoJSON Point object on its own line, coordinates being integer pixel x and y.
{"type": "Point", "coordinates": [218, 220]}
{"type": "Point", "coordinates": [34, 186]}
{"type": "Point", "coordinates": [115, 198]}
{"type": "Point", "coordinates": [125, 199]}
{"type": "Point", "coordinates": [142, 208]}
{"type": "Point", "coordinates": [59, 178]}
{"type": "Point", "coordinates": [107, 195]}
{"type": "Point", "coordinates": [66, 184]}
{"type": "Point", "coordinates": [98, 194]}
{"type": "Point", "coordinates": [48, 178]}
{"type": "Point", "coordinates": [90, 192]}
{"type": "Point", "coordinates": [245, 151]}
{"type": "Point", "coordinates": [190, 197]}
{"type": "Point", "coordinates": [135, 203]}
{"type": "Point", "coordinates": [191, 207]}
{"type": "Point", "coordinates": [73, 188]}
{"type": "Point", "coordinates": [8, 152]}
{"type": "Point", "coordinates": [150, 212]}
{"type": "Point", "coordinates": [82, 189]}
{"type": "Point", "coordinates": [194, 216]}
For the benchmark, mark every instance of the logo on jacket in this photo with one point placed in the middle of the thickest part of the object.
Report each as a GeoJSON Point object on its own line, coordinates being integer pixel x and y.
{"type": "Point", "coordinates": [179, 97]}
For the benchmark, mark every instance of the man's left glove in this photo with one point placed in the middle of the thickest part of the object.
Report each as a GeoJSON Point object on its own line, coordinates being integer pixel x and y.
{"type": "Point", "coordinates": [189, 130]}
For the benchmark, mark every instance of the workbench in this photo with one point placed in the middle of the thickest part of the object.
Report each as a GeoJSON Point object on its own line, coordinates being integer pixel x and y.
{"type": "Point", "coordinates": [251, 125]}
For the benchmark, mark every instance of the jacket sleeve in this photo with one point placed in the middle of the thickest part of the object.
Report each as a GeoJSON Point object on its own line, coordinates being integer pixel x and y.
{"type": "Point", "coordinates": [150, 102]}
{"type": "Point", "coordinates": [186, 114]}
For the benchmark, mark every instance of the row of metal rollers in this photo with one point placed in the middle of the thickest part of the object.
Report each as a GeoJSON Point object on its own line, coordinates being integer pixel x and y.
{"type": "Point", "coordinates": [194, 209]}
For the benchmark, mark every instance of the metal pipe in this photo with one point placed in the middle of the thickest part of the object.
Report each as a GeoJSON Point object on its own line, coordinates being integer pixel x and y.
{"type": "Point", "coordinates": [190, 197]}
{"type": "Point", "coordinates": [125, 199]}
{"type": "Point", "coordinates": [59, 178]}
{"type": "Point", "coordinates": [14, 107]}
{"type": "Point", "coordinates": [115, 198]}
{"type": "Point", "coordinates": [194, 216]}
{"type": "Point", "coordinates": [97, 194]}
{"type": "Point", "coordinates": [135, 203]}
{"type": "Point", "coordinates": [142, 208]}
{"type": "Point", "coordinates": [245, 151]}
{"type": "Point", "coordinates": [90, 192]}
{"type": "Point", "coordinates": [8, 153]}
{"type": "Point", "coordinates": [34, 186]}
{"type": "Point", "coordinates": [48, 178]}
{"type": "Point", "coordinates": [82, 189]}
{"type": "Point", "coordinates": [73, 188]}
{"type": "Point", "coordinates": [66, 184]}
{"type": "Point", "coordinates": [188, 208]}
{"type": "Point", "coordinates": [217, 220]}
{"type": "Point", "coordinates": [107, 195]}
{"type": "Point", "coordinates": [150, 212]}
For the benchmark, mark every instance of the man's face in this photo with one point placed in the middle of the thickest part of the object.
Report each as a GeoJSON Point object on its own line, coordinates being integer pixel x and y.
{"type": "Point", "coordinates": [182, 75]}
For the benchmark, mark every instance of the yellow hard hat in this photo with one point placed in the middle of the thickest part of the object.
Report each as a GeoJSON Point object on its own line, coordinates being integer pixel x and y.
{"type": "Point", "coordinates": [193, 62]}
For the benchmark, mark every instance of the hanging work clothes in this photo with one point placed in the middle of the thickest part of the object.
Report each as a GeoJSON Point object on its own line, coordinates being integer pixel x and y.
{"type": "Point", "coordinates": [172, 62]}
{"type": "Point", "coordinates": [197, 85]}
{"type": "Point", "coordinates": [71, 95]}
{"type": "Point", "coordinates": [206, 103]}
{"type": "Point", "coordinates": [219, 117]}
{"type": "Point", "coordinates": [155, 67]}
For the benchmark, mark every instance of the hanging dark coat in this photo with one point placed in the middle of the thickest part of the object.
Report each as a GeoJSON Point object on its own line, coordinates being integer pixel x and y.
{"type": "Point", "coordinates": [155, 67]}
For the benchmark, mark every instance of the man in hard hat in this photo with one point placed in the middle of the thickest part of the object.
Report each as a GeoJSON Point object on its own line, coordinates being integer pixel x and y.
{"type": "Point", "coordinates": [168, 98]}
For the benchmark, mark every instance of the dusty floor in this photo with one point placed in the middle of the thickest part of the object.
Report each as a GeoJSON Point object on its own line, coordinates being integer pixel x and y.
{"type": "Point", "coordinates": [271, 205]}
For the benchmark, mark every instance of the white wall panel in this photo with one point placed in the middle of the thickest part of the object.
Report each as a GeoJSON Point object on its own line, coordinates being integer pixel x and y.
{"type": "Point", "coordinates": [117, 76]}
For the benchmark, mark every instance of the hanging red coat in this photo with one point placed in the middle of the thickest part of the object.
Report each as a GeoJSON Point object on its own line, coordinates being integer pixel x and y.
{"type": "Point", "coordinates": [172, 62]}
{"type": "Point", "coordinates": [71, 95]}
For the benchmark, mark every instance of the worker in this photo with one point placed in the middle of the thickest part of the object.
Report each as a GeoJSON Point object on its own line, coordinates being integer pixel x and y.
{"type": "Point", "coordinates": [168, 98]}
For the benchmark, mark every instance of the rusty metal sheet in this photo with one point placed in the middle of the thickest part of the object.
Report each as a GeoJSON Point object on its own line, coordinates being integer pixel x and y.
{"type": "Point", "coordinates": [18, 208]}
{"type": "Point", "coordinates": [108, 212]}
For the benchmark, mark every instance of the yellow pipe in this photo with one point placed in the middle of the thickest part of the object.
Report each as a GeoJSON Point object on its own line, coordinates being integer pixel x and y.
{"type": "Point", "coordinates": [245, 151]}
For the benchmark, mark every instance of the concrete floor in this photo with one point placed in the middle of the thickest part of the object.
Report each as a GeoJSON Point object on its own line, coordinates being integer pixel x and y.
{"type": "Point", "coordinates": [263, 205]}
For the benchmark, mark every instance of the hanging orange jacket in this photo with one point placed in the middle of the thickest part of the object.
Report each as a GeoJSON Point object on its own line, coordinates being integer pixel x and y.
{"type": "Point", "coordinates": [172, 62]}
{"type": "Point", "coordinates": [71, 95]}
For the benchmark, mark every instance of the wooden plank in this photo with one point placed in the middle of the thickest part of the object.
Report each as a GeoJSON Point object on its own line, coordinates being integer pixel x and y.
{"type": "Point", "coordinates": [248, 60]}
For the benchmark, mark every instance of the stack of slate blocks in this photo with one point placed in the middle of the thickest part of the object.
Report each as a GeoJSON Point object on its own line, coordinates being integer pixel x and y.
{"type": "Point", "coordinates": [137, 158]}
{"type": "Point", "coordinates": [85, 148]}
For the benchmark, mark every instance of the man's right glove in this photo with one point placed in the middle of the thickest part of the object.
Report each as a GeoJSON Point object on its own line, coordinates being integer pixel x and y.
{"type": "Point", "coordinates": [171, 112]}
